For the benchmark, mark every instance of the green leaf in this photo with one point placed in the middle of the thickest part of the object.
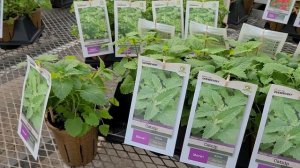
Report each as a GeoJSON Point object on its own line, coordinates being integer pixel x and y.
{"type": "Point", "coordinates": [114, 101]}
{"type": "Point", "coordinates": [127, 85]}
{"type": "Point", "coordinates": [104, 113]}
{"type": "Point", "coordinates": [62, 87]}
{"type": "Point", "coordinates": [218, 60]}
{"type": "Point", "coordinates": [237, 71]}
{"type": "Point", "coordinates": [131, 64]}
{"type": "Point", "coordinates": [91, 93]}
{"type": "Point", "coordinates": [295, 152]}
{"type": "Point", "coordinates": [74, 126]}
{"type": "Point", "coordinates": [281, 146]}
{"type": "Point", "coordinates": [104, 129]}
{"type": "Point", "coordinates": [91, 119]}
{"type": "Point", "coordinates": [47, 58]}
{"type": "Point", "coordinates": [210, 130]}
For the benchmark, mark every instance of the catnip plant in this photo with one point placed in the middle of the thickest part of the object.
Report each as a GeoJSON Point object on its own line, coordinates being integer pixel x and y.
{"type": "Point", "coordinates": [93, 23]}
{"type": "Point", "coordinates": [282, 132]}
{"type": "Point", "coordinates": [219, 113]}
{"type": "Point", "coordinates": [158, 95]}
{"type": "Point", "coordinates": [170, 15]}
{"type": "Point", "coordinates": [34, 98]}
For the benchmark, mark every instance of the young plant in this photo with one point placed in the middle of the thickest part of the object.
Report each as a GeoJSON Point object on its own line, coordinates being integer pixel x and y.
{"type": "Point", "coordinates": [219, 113]}
{"type": "Point", "coordinates": [93, 23]}
{"type": "Point", "coordinates": [158, 96]}
{"type": "Point", "coordinates": [282, 132]}
{"type": "Point", "coordinates": [78, 98]}
{"type": "Point", "coordinates": [34, 98]}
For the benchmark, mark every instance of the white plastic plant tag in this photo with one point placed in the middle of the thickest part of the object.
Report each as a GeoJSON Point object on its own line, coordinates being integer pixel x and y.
{"type": "Point", "coordinates": [1, 17]}
{"type": "Point", "coordinates": [126, 17]}
{"type": "Point", "coordinates": [162, 30]}
{"type": "Point", "coordinates": [218, 119]}
{"type": "Point", "coordinates": [261, 1]}
{"type": "Point", "coordinates": [220, 34]}
{"type": "Point", "coordinates": [297, 20]}
{"type": "Point", "coordinates": [201, 12]}
{"type": "Point", "coordinates": [277, 142]}
{"type": "Point", "coordinates": [227, 6]}
{"type": "Point", "coordinates": [157, 104]}
{"type": "Point", "coordinates": [36, 90]}
{"type": "Point", "coordinates": [279, 10]}
{"type": "Point", "coordinates": [272, 41]}
{"type": "Point", "coordinates": [93, 26]}
{"type": "Point", "coordinates": [169, 12]}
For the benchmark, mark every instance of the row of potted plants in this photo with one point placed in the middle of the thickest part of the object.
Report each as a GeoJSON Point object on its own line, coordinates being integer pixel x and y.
{"type": "Point", "coordinates": [14, 9]}
{"type": "Point", "coordinates": [78, 102]}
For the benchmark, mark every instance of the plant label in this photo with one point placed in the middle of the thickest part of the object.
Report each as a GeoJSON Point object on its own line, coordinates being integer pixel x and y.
{"type": "Point", "coordinates": [279, 10]}
{"type": "Point", "coordinates": [171, 13]}
{"type": "Point", "coordinates": [157, 104]}
{"type": "Point", "coordinates": [1, 18]}
{"type": "Point", "coordinates": [94, 28]}
{"type": "Point", "coordinates": [127, 15]}
{"type": "Point", "coordinates": [227, 6]}
{"type": "Point", "coordinates": [278, 140]}
{"type": "Point", "coordinates": [201, 12]}
{"type": "Point", "coordinates": [217, 122]}
{"type": "Point", "coordinates": [36, 90]}
{"type": "Point", "coordinates": [272, 41]}
{"type": "Point", "coordinates": [261, 1]}
{"type": "Point", "coordinates": [162, 30]}
{"type": "Point", "coordinates": [219, 34]}
{"type": "Point", "coordinates": [297, 20]}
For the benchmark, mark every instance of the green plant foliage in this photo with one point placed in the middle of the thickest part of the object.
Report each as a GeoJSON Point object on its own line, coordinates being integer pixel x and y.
{"type": "Point", "coordinates": [34, 97]}
{"type": "Point", "coordinates": [93, 23]}
{"type": "Point", "coordinates": [158, 96]}
{"type": "Point", "coordinates": [128, 20]}
{"type": "Point", "coordinates": [78, 95]}
{"type": "Point", "coordinates": [170, 15]}
{"type": "Point", "coordinates": [282, 132]}
{"type": "Point", "coordinates": [203, 16]}
{"type": "Point", "coordinates": [219, 113]}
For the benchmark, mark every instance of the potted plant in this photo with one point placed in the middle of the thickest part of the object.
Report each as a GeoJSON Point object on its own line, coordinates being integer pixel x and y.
{"type": "Point", "coordinates": [36, 11]}
{"type": "Point", "coordinates": [9, 17]}
{"type": "Point", "coordinates": [77, 106]}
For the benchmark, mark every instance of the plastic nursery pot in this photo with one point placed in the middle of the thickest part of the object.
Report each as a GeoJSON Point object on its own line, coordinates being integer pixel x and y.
{"type": "Point", "coordinates": [8, 30]}
{"type": "Point", "coordinates": [75, 151]}
{"type": "Point", "coordinates": [36, 18]}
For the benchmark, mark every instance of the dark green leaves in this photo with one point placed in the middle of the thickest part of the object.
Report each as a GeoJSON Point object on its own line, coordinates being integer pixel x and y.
{"type": "Point", "coordinates": [93, 94]}
{"type": "Point", "coordinates": [62, 87]}
{"type": "Point", "coordinates": [74, 126]}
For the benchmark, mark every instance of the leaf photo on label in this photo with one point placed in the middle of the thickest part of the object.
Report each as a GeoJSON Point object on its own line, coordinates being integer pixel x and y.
{"type": "Point", "coordinates": [219, 113]}
{"type": "Point", "coordinates": [128, 20]}
{"type": "Point", "coordinates": [158, 96]}
{"type": "Point", "coordinates": [34, 97]}
{"type": "Point", "coordinates": [282, 131]}
{"type": "Point", "coordinates": [93, 23]}
{"type": "Point", "coordinates": [170, 15]}
{"type": "Point", "coordinates": [203, 16]}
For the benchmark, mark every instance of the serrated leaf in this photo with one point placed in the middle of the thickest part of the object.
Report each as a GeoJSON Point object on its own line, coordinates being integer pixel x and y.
{"type": "Point", "coordinates": [131, 64]}
{"type": "Point", "coordinates": [93, 94]}
{"type": "Point", "coordinates": [127, 85]}
{"type": "Point", "coordinates": [237, 71]}
{"type": "Point", "coordinates": [210, 130]}
{"type": "Point", "coordinates": [62, 87]}
{"type": "Point", "coordinates": [218, 60]}
{"type": "Point", "coordinates": [114, 101]}
{"type": "Point", "coordinates": [104, 129]}
{"type": "Point", "coordinates": [74, 126]}
{"type": "Point", "coordinates": [281, 146]}
{"type": "Point", "coordinates": [91, 119]}
{"type": "Point", "coordinates": [295, 152]}
{"type": "Point", "coordinates": [104, 113]}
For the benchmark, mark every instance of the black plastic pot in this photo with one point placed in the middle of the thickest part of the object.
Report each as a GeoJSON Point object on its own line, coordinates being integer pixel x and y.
{"type": "Point", "coordinates": [61, 3]}
{"type": "Point", "coordinates": [24, 33]}
{"type": "Point", "coordinates": [109, 60]}
{"type": "Point", "coordinates": [239, 11]}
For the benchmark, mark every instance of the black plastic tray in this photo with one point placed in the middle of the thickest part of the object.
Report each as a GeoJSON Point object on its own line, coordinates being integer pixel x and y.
{"type": "Point", "coordinates": [24, 33]}
{"type": "Point", "coordinates": [61, 3]}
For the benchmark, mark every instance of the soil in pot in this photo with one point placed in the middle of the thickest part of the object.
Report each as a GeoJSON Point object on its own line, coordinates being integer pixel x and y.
{"type": "Point", "coordinates": [36, 18]}
{"type": "Point", "coordinates": [75, 151]}
{"type": "Point", "coordinates": [8, 30]}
